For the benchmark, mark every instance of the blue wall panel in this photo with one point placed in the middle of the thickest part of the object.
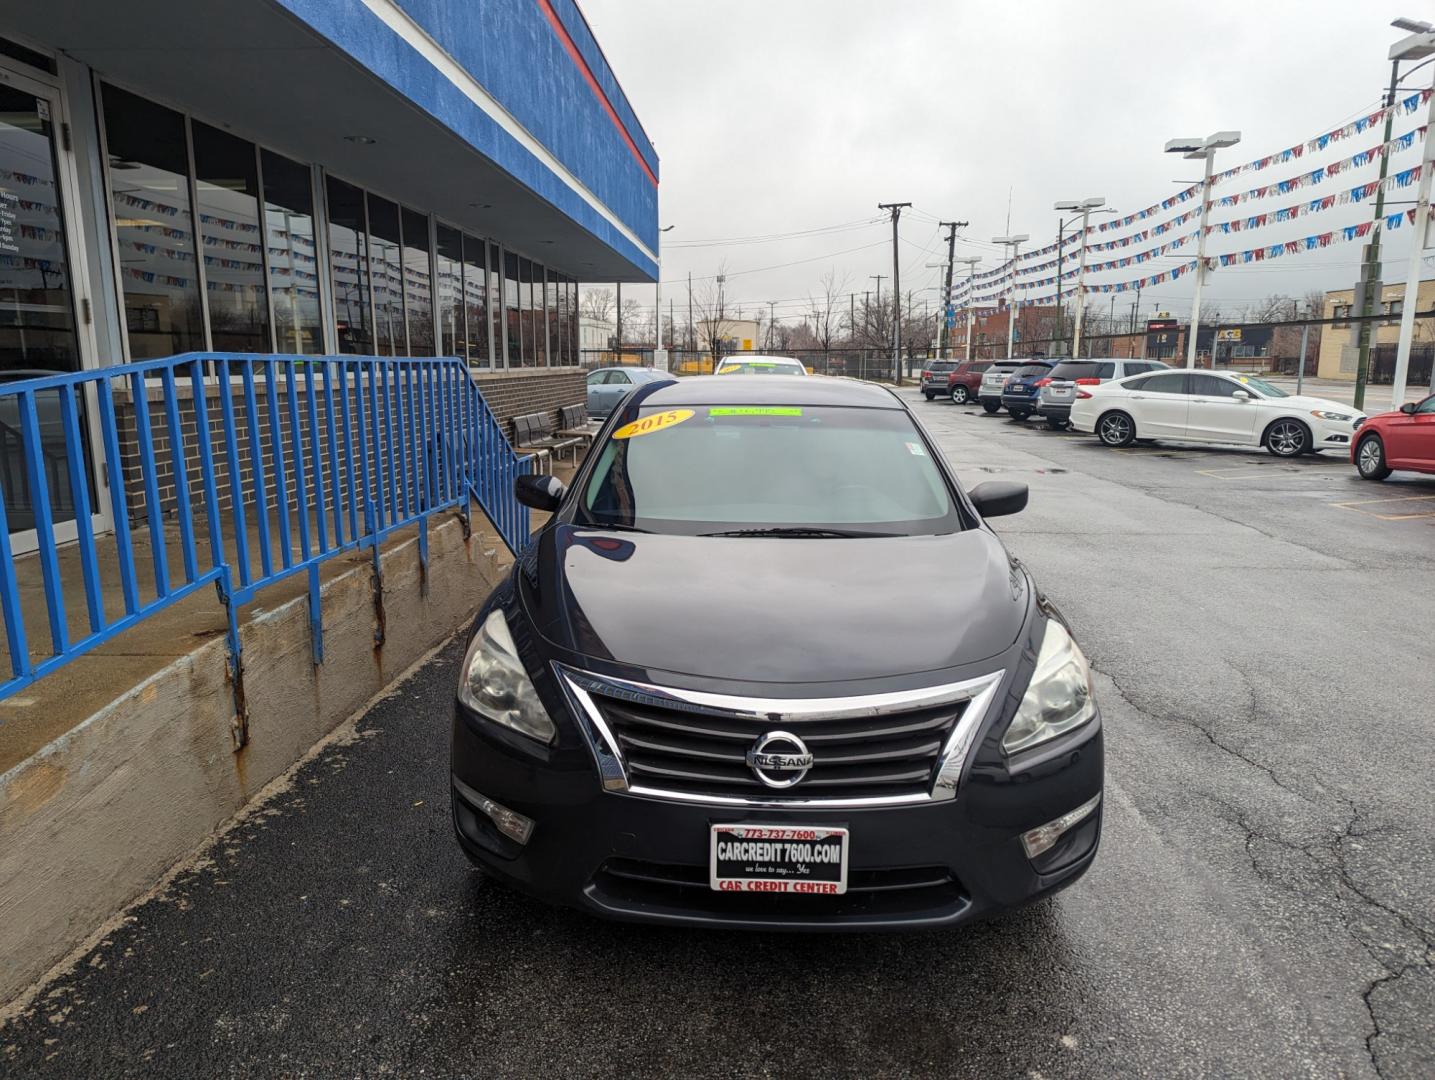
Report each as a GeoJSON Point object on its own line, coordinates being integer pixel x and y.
{"type": "Point", "coordinates": [512, 51]}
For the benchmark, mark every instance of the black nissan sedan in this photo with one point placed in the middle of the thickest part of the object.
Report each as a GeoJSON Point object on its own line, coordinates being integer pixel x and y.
{"type": "Point", "coordinates": [767, 667]}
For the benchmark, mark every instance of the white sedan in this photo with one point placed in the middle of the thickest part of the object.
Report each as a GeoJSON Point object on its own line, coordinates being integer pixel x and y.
{"type": "Point", "coordinates": [760, 365]}
{"type": "Point", "coordinates": [1209, 406]}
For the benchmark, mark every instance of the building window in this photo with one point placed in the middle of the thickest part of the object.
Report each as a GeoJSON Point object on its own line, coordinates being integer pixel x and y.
{"type": "Point", "coordinates": [154, 227]}
{"type": "Point", "coordinates": [1340, 315]}
{"type": "Point", "coordinates": [513, 338]}
{"type": "Point", "coordinates": [227, 191]}
{"type": "Point", "coordinates": [349, 267]}
{"type": "Point", "coordinates": [387, 269]}
{"type": "Point", "coordinates": [1392, 309]}
{"type": "Point", "coordinates": [452, 306]}
{"type": "Point", "coordinates": [550, 308]}
{"type": "Point", "coordinates": [418, 283]}
{"type": "Point", "coordinates": [495, 307]}
{"type": "Point", "coordinates": [573, 358]}
{"type": "Point", "coordinates": [475, 302]}
{"type": "Point", "coordinates": [292, 253]}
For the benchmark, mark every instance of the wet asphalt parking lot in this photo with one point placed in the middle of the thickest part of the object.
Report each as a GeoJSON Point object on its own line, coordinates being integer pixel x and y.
{"type": "Point", "coordinates": [1262, 905]}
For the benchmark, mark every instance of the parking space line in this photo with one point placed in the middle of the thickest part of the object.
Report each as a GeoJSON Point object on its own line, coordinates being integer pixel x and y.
{"type": "Point", "coordinates": [1357, 505]}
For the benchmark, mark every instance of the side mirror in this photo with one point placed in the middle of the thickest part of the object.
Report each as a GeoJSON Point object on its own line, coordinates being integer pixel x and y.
{"type": "Point", "coordinates": [1241, 395]}
{"type": "Point", "coordinates": [998, 497]}
{"type": "Point", "coordinates": [1409, 408]}
{"type": "Point", "coordinates": [539, 492]}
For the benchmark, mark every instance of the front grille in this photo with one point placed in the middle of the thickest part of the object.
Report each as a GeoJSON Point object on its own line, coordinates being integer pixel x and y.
{"type": "Point", "coordinates": [700, 751]}
{"type": "Point", "coordinates": [911, 891]}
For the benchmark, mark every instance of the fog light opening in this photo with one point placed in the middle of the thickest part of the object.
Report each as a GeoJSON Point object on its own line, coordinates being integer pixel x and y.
{"type": "Point", "coordinates": [1043, 837]}
{"type": "Point", "coordinates": [510, 823]}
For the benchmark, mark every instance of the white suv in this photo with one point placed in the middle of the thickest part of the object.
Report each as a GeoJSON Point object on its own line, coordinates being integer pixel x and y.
{"type": "Point", "coordinates": [1058, 390]}
{"type": "Point", "coordinates": [993, 379]}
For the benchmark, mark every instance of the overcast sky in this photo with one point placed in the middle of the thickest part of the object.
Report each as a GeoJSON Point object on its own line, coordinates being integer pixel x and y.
{"type": "Point", "coordinates": [774, 116]}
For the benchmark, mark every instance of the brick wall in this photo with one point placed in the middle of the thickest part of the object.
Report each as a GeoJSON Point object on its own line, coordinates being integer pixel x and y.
{"type": "Point", "coordinates": [530, 390]}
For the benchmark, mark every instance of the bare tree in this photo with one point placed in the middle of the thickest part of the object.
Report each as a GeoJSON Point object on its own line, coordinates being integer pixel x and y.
{"type": "Point", "coordinates": [826, 310]}
{"type": "Point", "coordinates": [598, 304]}
{"type": "Point", "coordinates": [714, 325]}
{"type": "Point", "coordinates": [637, 322]}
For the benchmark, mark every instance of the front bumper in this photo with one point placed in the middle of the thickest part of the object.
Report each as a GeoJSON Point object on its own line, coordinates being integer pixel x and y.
{"type": "Point", "coordinates": [643, 859]}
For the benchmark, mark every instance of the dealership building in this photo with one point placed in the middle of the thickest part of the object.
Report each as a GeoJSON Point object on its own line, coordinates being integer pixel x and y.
{"type": "Point", "coordinates": [370, 177]}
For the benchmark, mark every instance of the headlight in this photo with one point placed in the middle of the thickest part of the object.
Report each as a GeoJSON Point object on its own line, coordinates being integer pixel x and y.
{"type": "Point", "coordinates": [1059, 696]}
{"type": "Point", "coordinates": [1324, 415]}
{"type": "Point", "coordinates": [495, 685]}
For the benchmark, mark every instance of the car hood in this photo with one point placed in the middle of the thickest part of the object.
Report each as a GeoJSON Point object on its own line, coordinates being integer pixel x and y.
{"type": "Point", "coordinates": [1301, 401]}
{"type": "Point", "coordinates": [776, 610]}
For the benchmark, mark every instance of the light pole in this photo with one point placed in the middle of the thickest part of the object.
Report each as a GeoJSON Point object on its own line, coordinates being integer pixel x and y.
{"type": "Point", "coordinates": [660, 356]}
{"type": "Point", "coordinates": [1201, 150]}
{"type": "Point", "coordinates": [1421, 43]}
{"type": "Point", "coordinates": [1084, 207]}
{"type": "Point", "coordinates": [971, 264]}
{"type": "Point", "coordinates": [1013, 245]}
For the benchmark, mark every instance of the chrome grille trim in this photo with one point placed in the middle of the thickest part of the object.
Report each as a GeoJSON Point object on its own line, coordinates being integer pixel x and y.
{"type": "Point", "coordinates": [616, 775]}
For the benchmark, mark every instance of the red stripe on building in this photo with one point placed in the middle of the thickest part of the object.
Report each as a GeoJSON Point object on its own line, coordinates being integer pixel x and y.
{"type": "Point", "coordinates": [577, 57]}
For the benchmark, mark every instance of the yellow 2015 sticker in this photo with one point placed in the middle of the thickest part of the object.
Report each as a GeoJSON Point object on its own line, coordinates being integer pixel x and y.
{"type": "Point", "coordinates": [656, 422]}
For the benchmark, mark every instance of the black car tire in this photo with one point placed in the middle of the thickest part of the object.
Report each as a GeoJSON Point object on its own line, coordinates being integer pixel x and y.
{"type": "Point", "coordinates": [1019, 414]}
{"type": "Point", "coordinates": [960, 394]}
{"type": "Point", "coordinates": [1370, 458]}
{"type": "Point", "coordinates": [991, 406]}
{"type": "Point", "coordinates": [928, 395]}
{"type": "Point", "coordinates": [1057, 424]}
{"type": "Point", "coordinates": [1116, 428]}
{"type": "Point", "coordinates": [1287, 438]}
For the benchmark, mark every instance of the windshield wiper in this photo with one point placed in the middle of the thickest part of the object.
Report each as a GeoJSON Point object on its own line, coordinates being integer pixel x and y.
{"type": "Point", "coordinates": [797, 531]}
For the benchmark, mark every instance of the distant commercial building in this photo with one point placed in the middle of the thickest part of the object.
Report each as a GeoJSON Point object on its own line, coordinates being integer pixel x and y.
{"type": "Point", "coordinates": [1340, 344]}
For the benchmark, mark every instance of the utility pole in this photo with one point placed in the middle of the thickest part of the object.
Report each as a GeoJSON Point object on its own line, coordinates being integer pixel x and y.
{"type": "Point", "coordinates": [620, 324]}
{"type": "Point", "coordinates": [692, 340]}
{"type": "Point", "coordinates": [771, 319]}
{"type": "Point", "coordinates": [895, 209]}
{"type": "Point", "coordinates": [1202, 150]}
{"type": "Point", "coordinates": [1013, 245]}
{"type": "Point", "coordinates": [1304, 338]}
{"type": "Point", "coordinates": [1370, 273]}
{"type": "Point", "coordinates": [852, 318]}
{"type": "Point", "coordinates": [944, 335]}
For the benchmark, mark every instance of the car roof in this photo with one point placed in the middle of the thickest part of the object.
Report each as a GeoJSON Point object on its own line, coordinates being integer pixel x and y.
{"type": "Point", "coordinates": [763, 357]}
{"type": "Point", "coordinates": [769, 390]}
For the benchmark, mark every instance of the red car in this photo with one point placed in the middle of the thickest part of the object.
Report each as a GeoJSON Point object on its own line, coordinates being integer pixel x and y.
{"type": "Point", "coordinates": [1403, 439]}
{"type": "Point", "coordinates": [963, 383]}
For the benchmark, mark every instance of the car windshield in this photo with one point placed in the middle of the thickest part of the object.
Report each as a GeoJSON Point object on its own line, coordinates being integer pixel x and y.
{"type": "Point", "coordinates": [1028, 370]}
{"type": "Point", "coordinates": [761, 367]}
{"type": "Point", "coordinates": [1261, 387]}
{"type": "Point", "coordinates": [757, 469]}
{"type": "Point", "coordinates": [938, 368]}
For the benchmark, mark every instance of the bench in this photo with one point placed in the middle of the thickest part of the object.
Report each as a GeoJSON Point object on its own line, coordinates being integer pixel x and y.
{"type": "Point", "coordinates": [534, 431]}
{"type": "Point", "coordinates": [573, 423]}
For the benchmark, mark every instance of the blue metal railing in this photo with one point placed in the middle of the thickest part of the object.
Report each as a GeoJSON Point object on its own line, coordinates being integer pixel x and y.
{"type": "Point", "coordinates": [286, 462]}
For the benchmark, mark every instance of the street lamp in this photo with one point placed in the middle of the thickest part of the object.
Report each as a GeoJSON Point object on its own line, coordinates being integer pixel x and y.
{"type": "Point", "coordinates": [1417, 45]}
{"type": "Point", "coordinates": [1198, 150]}
{"type": "Point", "coordinates": [970, 261]}
{"type": "Point", "coordinates": [1013, 245]}
{"type": "Point", "coordinates": [1084, 207]}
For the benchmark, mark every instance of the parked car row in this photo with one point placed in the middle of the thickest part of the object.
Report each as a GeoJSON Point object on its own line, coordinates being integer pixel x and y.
{"type": "Point", "coordinates": [1126, 401]}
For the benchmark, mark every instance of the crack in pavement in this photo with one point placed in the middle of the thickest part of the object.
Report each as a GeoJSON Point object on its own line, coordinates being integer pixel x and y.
{"type": "Point", "coordinates": [1327, 856]}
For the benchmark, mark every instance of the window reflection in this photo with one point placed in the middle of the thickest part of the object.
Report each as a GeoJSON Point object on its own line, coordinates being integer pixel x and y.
{"type": "Point", "coordinates": [448, 263]}
{"type": "Point", "coordinates": [418, 284]}
{"type": "Point", "coordinates": [550, 308]}
{"type": "Point", "coordinates": [510, 307]}
{"type": "Point", "coordinates": [154, 230]}
{"type": "Point", "coordinates": [349, 265]}
{"type": "Point", "coordinates": [495, 306]}
{"type": "Point", "coordinates": [475, 300]}
{"type": "Point", "coordinates": [531, 346]}
{"type": "Point", "coordinates": [227, 190]}
{"type": "Point", "coordinates": [386, 266]}
{"type": "Point", "coordinates": [293, 257]}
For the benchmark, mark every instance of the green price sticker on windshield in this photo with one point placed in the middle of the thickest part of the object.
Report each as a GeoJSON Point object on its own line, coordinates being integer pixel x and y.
{"type": "Point", "coordinates": [755, 410]}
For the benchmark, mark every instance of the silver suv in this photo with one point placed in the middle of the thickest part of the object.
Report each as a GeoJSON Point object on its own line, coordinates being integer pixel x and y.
{"type": "Point", "coordinates": [993, 379]}
{"type": "Point", "coordinates": [1059, 389]}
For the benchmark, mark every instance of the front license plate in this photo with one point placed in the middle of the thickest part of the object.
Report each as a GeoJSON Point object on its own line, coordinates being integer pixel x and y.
{"type": "Point", "coordinates": [807, 860]}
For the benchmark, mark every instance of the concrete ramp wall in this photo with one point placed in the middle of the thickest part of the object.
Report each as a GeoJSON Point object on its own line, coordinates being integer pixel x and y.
{"type": "Point", "coordinates": [97, 816]}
